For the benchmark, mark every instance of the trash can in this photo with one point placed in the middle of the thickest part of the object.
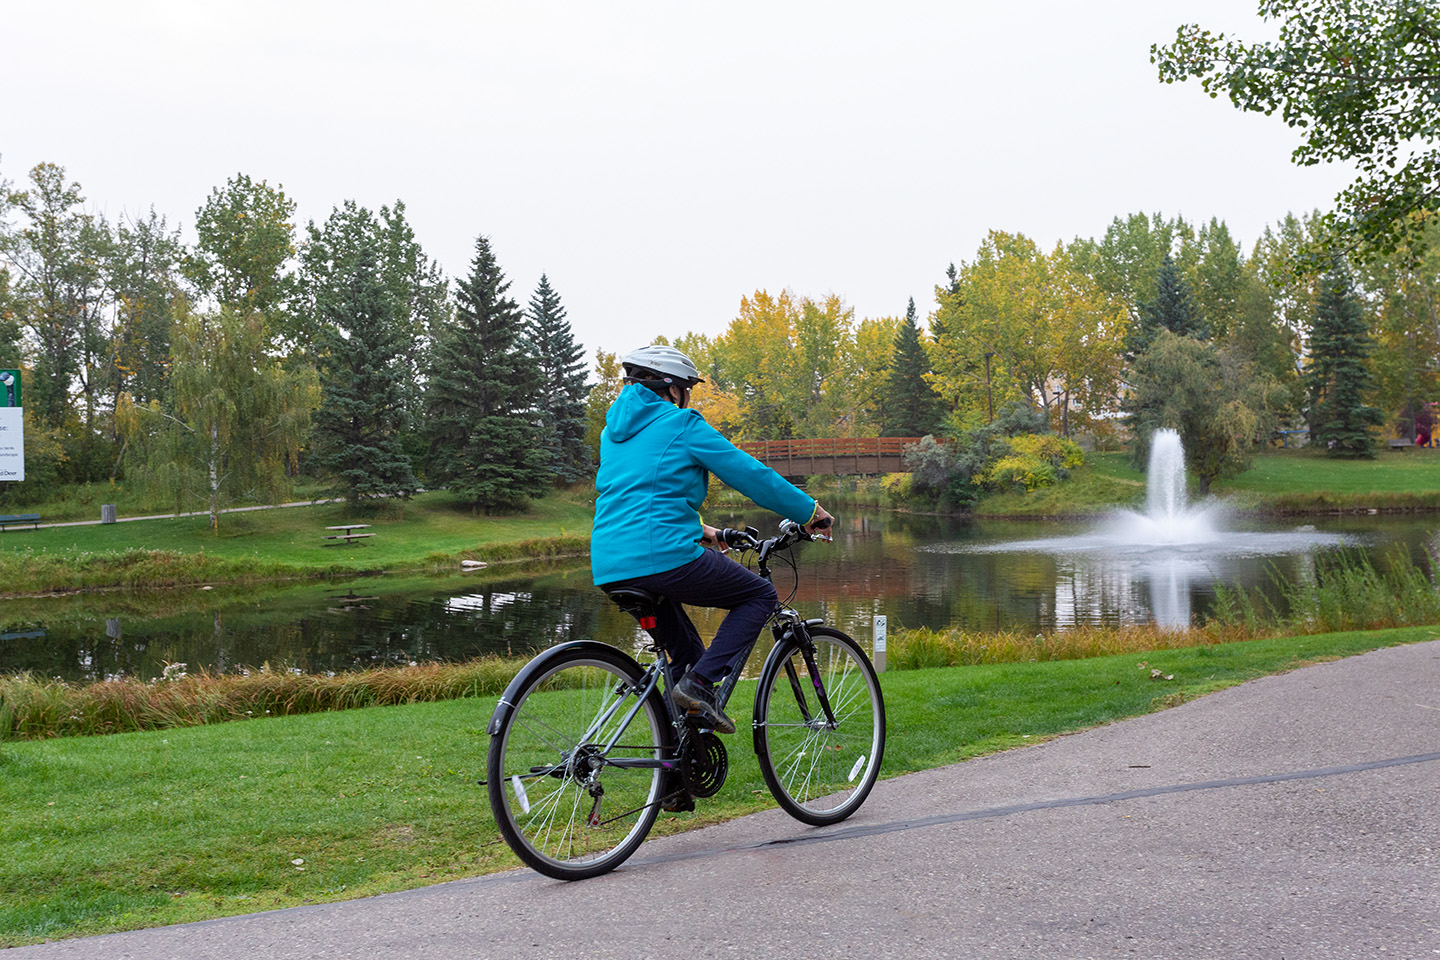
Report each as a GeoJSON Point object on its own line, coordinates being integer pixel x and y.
{"type": "Point", "coordinates": [107, 513]}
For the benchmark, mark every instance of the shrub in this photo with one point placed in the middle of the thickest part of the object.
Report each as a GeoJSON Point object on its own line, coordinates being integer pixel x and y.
{"type": "Point", "coordinates": [1032, 461]}
{"type": "Point", "coordinates": [897, 487]}
{"type": "Point", "coordinates": [930, 463]}
{"type": "Point", "coordinates": [1059, 452]}
{"type": "Point", "coordinates": [1019, 470]}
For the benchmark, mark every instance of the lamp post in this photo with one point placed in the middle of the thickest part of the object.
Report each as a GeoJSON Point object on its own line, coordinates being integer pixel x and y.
{"type": "Point", "coordinates": [989, 394]}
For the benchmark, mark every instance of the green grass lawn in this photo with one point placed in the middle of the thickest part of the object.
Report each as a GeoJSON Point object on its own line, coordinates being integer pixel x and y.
{"type": "Point", "coordinates": [1296, 471]}
{"type": "Point", "coordinates": [1283, 480]}
{"type": "Point", "coordinates": [431, 528]}
{"type": "Point", "coordinates": [135, 830]}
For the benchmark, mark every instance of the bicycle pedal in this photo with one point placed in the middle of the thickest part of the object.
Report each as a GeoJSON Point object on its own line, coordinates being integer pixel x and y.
{"type": "Point", "coordinates": [679, 803]}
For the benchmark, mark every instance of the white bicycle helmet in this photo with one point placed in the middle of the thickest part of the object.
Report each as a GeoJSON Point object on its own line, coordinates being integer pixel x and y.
{"type": "Point", "coordinates": [668, 362]}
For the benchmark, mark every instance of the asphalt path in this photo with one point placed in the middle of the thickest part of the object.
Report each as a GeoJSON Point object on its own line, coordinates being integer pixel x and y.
{"type": "Point", "coordinates": [1291, 817]}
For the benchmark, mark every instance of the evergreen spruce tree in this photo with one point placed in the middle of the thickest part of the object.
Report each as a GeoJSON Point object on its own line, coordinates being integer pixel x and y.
{"type": "Point", "coordinates": [484, 396]}
{"type": "Point", "coordinates": [950, 302]}
{"type": "Point", "coordinates": [359, 342]}
{"type": "Point", "coordinates": [1338, 377]}
{"type": "Point", "coordinates": [1174, 308]}
{"type": "Point", "coordinates": [562, 385]}
{"type": "Point", "coordinates": [911, 406]}
{"type": "Point", "coordinates": [419, 287]}
{"type": "Point", "coordinates": [952, 280]}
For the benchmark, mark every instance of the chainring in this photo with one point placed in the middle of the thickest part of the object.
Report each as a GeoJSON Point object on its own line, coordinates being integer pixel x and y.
{"type": "Point", "coordinates": [704, 764]}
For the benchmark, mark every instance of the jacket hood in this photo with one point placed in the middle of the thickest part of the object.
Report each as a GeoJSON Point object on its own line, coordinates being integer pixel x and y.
{"type": "Point", "coordinates": [635, 409]}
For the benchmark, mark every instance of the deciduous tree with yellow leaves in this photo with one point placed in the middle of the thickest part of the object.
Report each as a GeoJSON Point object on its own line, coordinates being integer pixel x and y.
{"type": "Point", "coordinates": [1024, 325]}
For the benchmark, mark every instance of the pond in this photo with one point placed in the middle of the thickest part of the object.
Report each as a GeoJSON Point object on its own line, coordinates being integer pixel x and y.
{"type": "Point", "coordinates": [916, 570]}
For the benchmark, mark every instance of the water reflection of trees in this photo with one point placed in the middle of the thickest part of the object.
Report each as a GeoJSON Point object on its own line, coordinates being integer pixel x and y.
{"type": "Point", "coordinates": [334, 634]}
{"type": "Point", "coordinates": [878, 565]}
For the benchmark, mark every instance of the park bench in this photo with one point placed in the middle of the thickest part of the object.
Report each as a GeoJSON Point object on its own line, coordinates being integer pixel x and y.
{"type": "Point", "coordinates": [11, 519]}
{"type": "Point", "coordinates": [1400, 443]}
{"type": "Point", "coordinates": [347, 534]}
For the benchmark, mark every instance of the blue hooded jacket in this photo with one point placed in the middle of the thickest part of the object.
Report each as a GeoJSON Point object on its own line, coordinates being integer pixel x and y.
{"type": "Point", "coordinates": [655, 461]}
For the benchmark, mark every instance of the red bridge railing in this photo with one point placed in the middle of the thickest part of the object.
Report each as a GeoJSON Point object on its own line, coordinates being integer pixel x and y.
{"type": "Point", "coordinates": [829, 455]}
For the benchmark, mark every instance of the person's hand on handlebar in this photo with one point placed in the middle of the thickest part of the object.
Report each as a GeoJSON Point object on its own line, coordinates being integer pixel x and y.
{"type": "Point", "coordinates": [821, 523]}
{"type": "Point", "coordinates": [710, 537]}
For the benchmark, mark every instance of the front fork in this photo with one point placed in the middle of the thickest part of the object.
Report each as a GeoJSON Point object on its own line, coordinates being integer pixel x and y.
{"type": "Point", "coordinates": [793, 629]}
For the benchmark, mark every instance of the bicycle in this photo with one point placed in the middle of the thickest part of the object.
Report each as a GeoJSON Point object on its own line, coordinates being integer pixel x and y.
{"type": "Point", "coordinates": [585, 749]}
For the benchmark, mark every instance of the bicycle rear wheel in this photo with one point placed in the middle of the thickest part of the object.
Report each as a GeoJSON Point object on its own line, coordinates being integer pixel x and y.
{"type": "Point", "coordinates": [818, 771]}
{"type": "Point", "coordinates": [569, 802]}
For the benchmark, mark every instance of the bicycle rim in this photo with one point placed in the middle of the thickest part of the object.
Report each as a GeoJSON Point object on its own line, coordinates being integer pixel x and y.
{"type": "Point", "coordinates": [820, 773]}
{"type": "Point", "coordinates": [559, 798]}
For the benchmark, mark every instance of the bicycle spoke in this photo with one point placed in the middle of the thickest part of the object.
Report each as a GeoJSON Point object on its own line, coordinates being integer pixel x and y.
{"type": "Point", "coordinates": [814, 761]}
{"type": "Point", "coordinates": [556, 737]}
{"type": "Point", "coordinates": [548, 809]}
{"type": "Point", "coordinates": [794, 761]}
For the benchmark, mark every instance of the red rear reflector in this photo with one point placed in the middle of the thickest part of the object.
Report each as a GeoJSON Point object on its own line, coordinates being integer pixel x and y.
{"type": "Point", "coordinates": [647, 623]}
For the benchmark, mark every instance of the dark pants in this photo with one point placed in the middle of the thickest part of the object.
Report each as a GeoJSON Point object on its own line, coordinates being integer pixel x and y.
{"type": "Point", "coordinates": [710, 580]}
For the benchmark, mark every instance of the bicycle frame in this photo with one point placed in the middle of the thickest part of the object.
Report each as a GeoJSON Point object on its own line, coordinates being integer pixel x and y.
{"type": "Point", "coordinates": [622, 730]}
{"type": "Point", "coordinates": [786, 625]}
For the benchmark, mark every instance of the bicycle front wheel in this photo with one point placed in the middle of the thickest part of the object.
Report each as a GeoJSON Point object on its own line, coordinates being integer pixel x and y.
{"type": "Point", "coordinates": [573, 771]}
{"type": "Point", "coordinates": [820, 770]}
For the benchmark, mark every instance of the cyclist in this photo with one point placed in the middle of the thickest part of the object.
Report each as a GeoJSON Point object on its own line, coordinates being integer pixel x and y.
{"type": "Point", "coordinates": [655, 457]}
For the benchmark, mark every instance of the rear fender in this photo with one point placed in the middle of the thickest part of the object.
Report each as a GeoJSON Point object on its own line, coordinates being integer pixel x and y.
{"type": "Point", "coordinates": [543, 662]}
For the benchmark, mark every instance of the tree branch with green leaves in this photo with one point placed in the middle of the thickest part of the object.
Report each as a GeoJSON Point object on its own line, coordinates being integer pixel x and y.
{"type": "Point", "coordinates": [1361, 79]}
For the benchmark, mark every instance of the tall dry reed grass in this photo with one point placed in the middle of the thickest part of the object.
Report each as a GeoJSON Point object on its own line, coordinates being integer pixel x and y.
{"type": "Point", "coordinates": [33, 708]}
{"type": "Point", "coordinates": [1345, 591]}
{"type": "Point", "coordinates": [36, 708]}
{"type": "Point", "coordinates": [922, 648]}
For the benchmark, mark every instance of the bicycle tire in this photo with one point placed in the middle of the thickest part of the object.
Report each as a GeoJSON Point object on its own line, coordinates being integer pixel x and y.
{"type": "Point", "coordinates": [818, 774]}
{"type": "Point", "coordinates": [544, 809]}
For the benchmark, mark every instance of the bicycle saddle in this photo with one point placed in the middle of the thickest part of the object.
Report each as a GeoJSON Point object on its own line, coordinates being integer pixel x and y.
{"type": "Point", "coordinates": [633, 597]}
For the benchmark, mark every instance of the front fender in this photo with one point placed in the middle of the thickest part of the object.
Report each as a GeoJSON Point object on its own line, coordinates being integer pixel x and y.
{"type": "Point", "coordinates": [541, 663]}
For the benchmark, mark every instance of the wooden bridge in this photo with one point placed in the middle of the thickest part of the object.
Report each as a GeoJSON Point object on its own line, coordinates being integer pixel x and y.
{"type": "Point", "coordinates": [798, 458]}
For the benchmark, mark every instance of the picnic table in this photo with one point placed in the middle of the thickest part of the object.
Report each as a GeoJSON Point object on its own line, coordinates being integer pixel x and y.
{"type": "Point", "coordinates": [347, 533]}
{"type": "Point", "coordinates": [10, 519]}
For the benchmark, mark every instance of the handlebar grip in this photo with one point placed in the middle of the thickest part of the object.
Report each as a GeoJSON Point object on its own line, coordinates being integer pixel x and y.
{"type": "Point", "coordinates": [737, 538]}
{"type": "Point", "coordinates": [823, 524]}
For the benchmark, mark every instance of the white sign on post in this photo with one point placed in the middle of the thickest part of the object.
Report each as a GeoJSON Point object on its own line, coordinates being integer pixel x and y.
{"type": "Point", "coordinates": [879, 646]}
{"type": "Point", "coordinates": [12, 444]}
{"type": "Point", "coordinates": [12, 427]}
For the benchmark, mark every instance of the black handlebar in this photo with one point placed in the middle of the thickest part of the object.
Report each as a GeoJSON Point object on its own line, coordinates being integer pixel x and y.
{"type": "Point", "coordinates": [791, 533]}
{"type": "Point", "coordinates": [739, 539]}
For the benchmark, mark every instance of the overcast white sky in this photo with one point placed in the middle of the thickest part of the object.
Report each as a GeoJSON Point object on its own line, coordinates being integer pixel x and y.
{"type": "Point", "coordinates": [658, 160]}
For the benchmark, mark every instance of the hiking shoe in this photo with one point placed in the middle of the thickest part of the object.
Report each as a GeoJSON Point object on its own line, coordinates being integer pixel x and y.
{"type": "Point", "coordinates": [697, 698]}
